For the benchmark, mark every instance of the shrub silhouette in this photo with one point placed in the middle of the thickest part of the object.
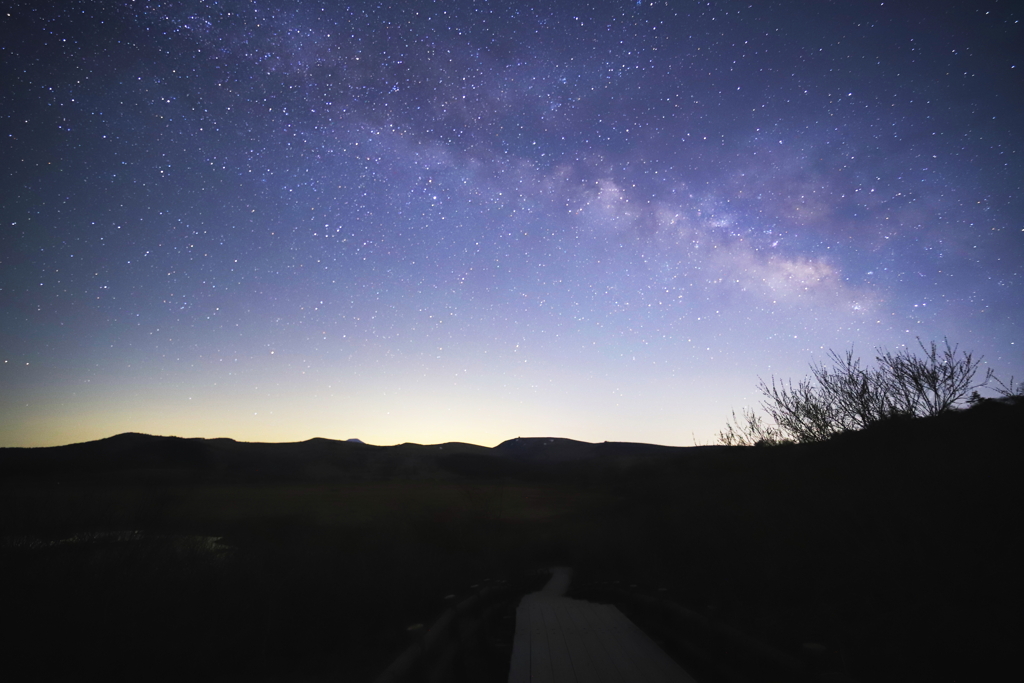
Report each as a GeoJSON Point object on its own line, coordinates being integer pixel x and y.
{"type": "Point", "coordinates": [842, 394]}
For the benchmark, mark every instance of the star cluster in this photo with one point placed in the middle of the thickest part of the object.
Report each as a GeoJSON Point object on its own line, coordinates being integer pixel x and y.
{"type": "Point", "coordinates": [472, 220]}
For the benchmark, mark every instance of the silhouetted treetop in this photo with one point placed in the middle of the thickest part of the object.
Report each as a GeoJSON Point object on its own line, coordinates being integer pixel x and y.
{"type": "Point", "coordinates": [842, 394]}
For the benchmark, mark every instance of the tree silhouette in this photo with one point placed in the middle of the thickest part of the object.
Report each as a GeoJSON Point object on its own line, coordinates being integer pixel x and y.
{"type": "Point", "coordinates": [842, 394]}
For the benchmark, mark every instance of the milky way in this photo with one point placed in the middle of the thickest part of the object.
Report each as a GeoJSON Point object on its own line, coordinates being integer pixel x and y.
{"type": "Point", "coordinates": [433, 221]}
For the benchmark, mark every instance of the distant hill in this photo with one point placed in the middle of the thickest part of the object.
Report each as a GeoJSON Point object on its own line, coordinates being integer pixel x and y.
{"type": "Point", "coordinates": [145, 455]}
{"type": "Point", "coordinates": [148, 456]}
{"type": "Point", "coordinates": [171, 456]}
{"type": "Point", "coordinates": [546, 448]}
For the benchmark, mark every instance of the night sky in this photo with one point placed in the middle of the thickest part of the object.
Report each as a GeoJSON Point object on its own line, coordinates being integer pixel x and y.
{"type": "Point", "coordinates": [439, 221]}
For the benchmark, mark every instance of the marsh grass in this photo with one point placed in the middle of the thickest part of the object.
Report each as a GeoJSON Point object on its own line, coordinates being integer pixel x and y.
{"type": "Point", "coordinates": [311, 580]}
{"type": "Point", "coordinates": [893, 546]}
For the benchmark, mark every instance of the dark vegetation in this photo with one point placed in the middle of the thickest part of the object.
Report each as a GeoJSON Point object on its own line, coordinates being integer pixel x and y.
{"type": "Point", "coordinates": [843, 394]}
{"type": "Point", "coordinates": [892, 546]}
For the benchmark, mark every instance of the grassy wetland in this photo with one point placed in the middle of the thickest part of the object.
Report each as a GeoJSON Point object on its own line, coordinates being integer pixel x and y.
{"type": "Point", "coordinates": [158, 557]}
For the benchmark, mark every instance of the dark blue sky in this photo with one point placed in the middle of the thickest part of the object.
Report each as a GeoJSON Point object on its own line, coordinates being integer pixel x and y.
{"type": "Point", "coordinates": [431, 221]}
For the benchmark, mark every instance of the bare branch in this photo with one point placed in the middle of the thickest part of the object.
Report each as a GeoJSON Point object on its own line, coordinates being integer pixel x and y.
{"type": "Point", "coordinates": [932, 384]}
{"type": "Point", "coordinates": [841, 394]}
{"type": "Point", "coordinates": [750, 430]}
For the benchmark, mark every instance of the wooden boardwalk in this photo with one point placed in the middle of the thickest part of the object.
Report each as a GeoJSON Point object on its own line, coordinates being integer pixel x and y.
{"type": "Point", "coordinates": [561, 640]}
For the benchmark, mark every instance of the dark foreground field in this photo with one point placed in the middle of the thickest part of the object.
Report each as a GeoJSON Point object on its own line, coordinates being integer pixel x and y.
{"type": "Point", "coordinates": [143, 557]}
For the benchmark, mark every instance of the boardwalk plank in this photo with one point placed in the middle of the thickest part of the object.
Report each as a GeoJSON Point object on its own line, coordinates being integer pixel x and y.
{"type": "Point", "coordinates": [574, 641]}
{"type": "Point", "coordinates": [656, 665]}
{"type": "Point", "coordinates": [561, 659]}
{"type": "Point", "coordinates": [541, 670]}
{"type": "Point", "coordinates": [602, 665]}
{"type": "Point", "coordinates": [587, 661]}
{"type": "Point", "coordinates": [519, 666]}
{"type": "Point", "coordinates": [623, 652]}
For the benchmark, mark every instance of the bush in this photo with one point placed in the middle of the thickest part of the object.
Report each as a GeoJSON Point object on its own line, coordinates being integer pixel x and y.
{"type": "Point", "coordinates": [842, 395]}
